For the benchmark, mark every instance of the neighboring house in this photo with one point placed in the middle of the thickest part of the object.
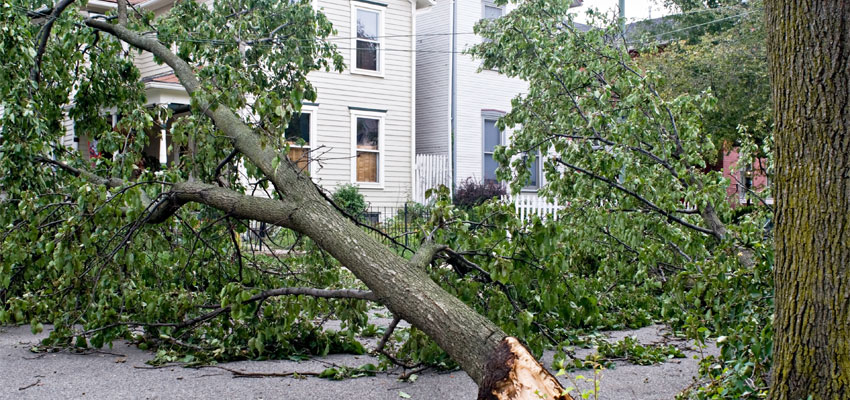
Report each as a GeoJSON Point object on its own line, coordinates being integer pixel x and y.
{"type": "Point", "coordinates": [752, 179]}
{"type": "Point", "coordinates": [363, 118]}
{"type": "Point", "coordinates": [458, 105]}
{"type": "Point", "coordinates": [457, 102]}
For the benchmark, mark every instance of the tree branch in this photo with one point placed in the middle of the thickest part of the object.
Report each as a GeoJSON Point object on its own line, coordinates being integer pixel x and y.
{"type": "Point", "coordinates": [122, 12]}
{"type": "Point", "coordinates": [387, 334]}
{"type": "Point", "coordinates": [462, 265]}
{"type": "Point", "coordinates": [640, 198]}
{"type": "Point", "coordinates": [243, 137]}
{"type": "Point", "coordinates": [426, 254]}
{"type": "Point", "coordinates": [236, 204]}
{"type": "Point", "coordinates": [108, 182]}
{"type": "Point", "coordinates": [289, 291]}
{"type": "Point", "coordinates": [44, 35]}
{"type": "Point", "coordinates": [220, 166]}
{"type": "Point", "coordinates": [243, 374]}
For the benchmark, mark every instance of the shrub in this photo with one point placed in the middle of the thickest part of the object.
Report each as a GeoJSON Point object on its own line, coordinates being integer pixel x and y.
{"type": "Point", "coordinates": [349, 198]}
{"type": "Point", "coordinates": [472, 193]}
{"type": "Point", "coordinates": [415, 212]}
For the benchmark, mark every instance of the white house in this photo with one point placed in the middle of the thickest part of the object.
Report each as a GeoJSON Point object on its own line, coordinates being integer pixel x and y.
{"type": "Point", "coordinates": [457, 102]}
{"type": "Point", "coordinates": [363, 118]}
{"type": "Point", "coordinates": [458, 105]}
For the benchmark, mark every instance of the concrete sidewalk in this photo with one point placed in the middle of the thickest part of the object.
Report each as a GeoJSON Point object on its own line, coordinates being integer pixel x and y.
{"type": "Point", "coordinates": [121, 373]}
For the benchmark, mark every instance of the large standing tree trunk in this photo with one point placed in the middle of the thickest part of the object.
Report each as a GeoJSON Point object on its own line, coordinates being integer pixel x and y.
{"type": "Point", "coordinates": [501, 366]}
{"type": "Point", "coordinates": [809, 50]}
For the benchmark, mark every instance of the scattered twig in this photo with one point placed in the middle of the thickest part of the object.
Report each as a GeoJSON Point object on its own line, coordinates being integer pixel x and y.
{"type": "Point", "coordinates": [29, 386]}
{"type": "Point", "coordinates": [406, 375]}
{"type": "Point", "coordinates": [243, 374]}
{"type": "Point", "coordinates": [157, 366]}
{"type": "Point", "coordinates": [387, 334]}
{"type": "Point", "coordinates": [43, 350]}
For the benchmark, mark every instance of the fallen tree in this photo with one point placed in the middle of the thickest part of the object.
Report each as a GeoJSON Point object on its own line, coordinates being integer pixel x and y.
{"type": "Point", "coordinates": [500, 364]}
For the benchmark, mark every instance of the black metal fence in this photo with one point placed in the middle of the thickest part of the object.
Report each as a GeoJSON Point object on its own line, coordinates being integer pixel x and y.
{"type": "Point", "coordinates": [391, 225]}
{"type": "Point", "coordinates": [401, 224]}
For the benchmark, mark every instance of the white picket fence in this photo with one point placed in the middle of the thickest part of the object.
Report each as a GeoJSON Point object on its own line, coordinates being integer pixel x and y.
{"type": "Point", "coordinates": [529, 205]}
{"type": "Point", "coordinates": [432, 170]}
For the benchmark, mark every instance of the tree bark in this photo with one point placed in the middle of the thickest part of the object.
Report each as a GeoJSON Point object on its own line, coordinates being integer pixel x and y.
{"type": "Point", "coordinates": [500, 365]}
{"type": "Point", "coordinates": [809, 55]}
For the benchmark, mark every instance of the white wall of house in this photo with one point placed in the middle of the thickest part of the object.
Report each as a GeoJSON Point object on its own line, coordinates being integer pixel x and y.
{"type": "Point", "coordinates": [387, 95]}
{"type": "Point", "coordinates": [479, 93]}
{"type": "Point", "coordinates": [433, 63]}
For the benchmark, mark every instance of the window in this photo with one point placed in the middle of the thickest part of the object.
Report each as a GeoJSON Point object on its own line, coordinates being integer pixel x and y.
{"type": "Point", "coordinates": [745, 184]}
{"type": "Point", "coordinates": [492, 138]}
{"type": "Point", "coordinates": [368, 137]}
{"type": "Point", "coordinates": [297, 134]}
{"type": "Point", "coordinates": [533, 182]}
{"type": "Point", "coordinates": [492, 11]}
{"type": "Point", "coordinates": [367, 43]}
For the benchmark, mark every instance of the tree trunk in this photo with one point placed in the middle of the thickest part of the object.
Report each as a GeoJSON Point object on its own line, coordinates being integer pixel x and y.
{"type": "Point", "coordinates": [501, 366]}
{"type": "Point", "coordinates": [809, 50]}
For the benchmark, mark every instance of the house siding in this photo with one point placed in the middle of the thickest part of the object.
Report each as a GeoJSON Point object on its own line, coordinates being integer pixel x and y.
{"type": "Point", "coordinates": [144, 60]}
{"type": "Point", "coordinates": [433, 68]}
{"type": "Point", "coordinates": [147, 66]}
{"type": "Point", "coordinates": [477, 92]}
{"type": "Point", "coordinates": [393, 92]}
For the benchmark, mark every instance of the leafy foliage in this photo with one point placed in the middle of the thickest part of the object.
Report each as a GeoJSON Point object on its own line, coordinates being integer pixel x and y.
{"type": "Point", "coordinates": [633, 246]}
{"type": "Point", "coordinates": [633, 162]}
{"type": "Point", "coordinates": [534, 280]}
{"type": "Point", "coordinates": [630, 349]}
{"type": "Point", "coordinates": [471, 193]}
{"type": "Point", "coordinates": [735, 305]}
{"type": "Point", "coordinates": [349, 198]}
{"type": "Point", "coordinates": [697, 19]}
{"type": "Point", "coordinates": [343, 372]}
{"type": "Point", "coordinates": [84, 259]}
{"type": "Point", "coordinates": [733, 65]}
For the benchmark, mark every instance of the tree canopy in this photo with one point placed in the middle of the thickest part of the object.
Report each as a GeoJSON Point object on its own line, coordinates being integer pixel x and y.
{"type": "Point", "coordinates": [631, 154]}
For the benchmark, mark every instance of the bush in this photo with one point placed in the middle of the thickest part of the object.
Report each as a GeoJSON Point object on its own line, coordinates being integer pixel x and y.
{"type": "Point", "coordinates": [415, 212]}
{"type": "Point", "coordinates": [472, 193]}
{"type": "Point", "coordinates": [349, 198]}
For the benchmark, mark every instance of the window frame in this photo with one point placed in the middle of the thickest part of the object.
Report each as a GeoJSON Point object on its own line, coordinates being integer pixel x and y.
{"type": "Point", "coordinates": [380, 116]}
{"type": "Point", "coordinates": [313, 110]}
{"type": "Point", "coordinates": [484, 5]}
{"type": "Point", "coordinates": [491, 3]}
{"type": "Point", "coordinates": [493, 116]}
{"type": "Point", "coordinates": [380, 10]}
{"type": "Point", "coordinates": [539, 162]}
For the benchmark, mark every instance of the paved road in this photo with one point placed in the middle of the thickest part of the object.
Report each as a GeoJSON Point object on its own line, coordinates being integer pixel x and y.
{"type": "Point", "coordinates": [120, 373]}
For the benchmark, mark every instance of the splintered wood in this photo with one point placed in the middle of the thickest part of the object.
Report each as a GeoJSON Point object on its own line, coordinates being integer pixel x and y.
{"type": "Point", "coordinates": [514, 374]}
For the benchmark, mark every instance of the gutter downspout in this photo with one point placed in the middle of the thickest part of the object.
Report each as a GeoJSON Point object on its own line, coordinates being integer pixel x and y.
{"type": "Point", "coordinates": [453, 106]}
{"type": "Point", "coordinates": [413, 13]}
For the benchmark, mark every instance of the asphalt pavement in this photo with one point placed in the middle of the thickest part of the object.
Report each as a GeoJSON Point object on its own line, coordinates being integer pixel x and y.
{"type": "Point", "coordinates": [121, 373]}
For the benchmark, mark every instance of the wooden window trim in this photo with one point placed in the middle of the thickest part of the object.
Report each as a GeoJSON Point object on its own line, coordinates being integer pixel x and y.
{"type": "Point", "coordinates": [381, 151]}
{"type": "Point", "coordinates": [373, 7]}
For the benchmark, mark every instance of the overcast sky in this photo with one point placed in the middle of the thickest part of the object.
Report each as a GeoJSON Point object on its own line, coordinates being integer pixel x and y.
{"type": "Point", "coordinates": [636, 10]}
